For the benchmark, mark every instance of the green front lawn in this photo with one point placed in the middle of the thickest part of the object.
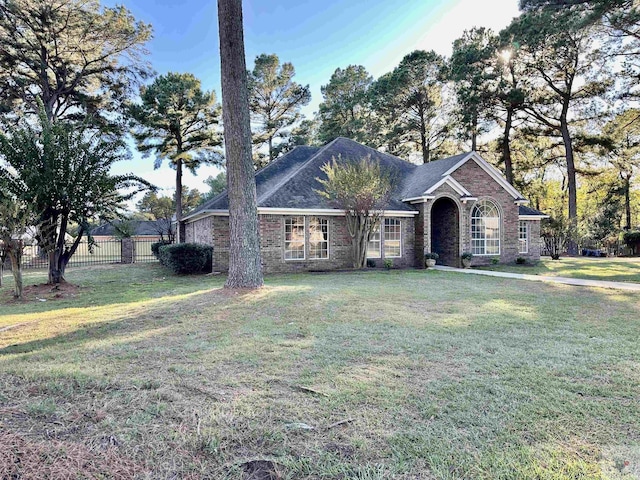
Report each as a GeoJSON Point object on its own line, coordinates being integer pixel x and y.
{"type": "Point", "coordinates": [592, 268]}
{"type": "Point", "coordinates": [372, 375]}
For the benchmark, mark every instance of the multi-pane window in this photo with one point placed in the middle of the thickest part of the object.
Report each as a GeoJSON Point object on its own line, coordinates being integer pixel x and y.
{"type": "Point", "coordinates": [523, 237]}
{"type": "Point", "coordinates": [485, 229]}
{"type": "Point", "coordinates": [294, 238]}
{"type": "Point", "coordinates": [392, 234]}
{"type": "Point", "coordinates": [318, 238]}
{"type": "Point", "coordinates": [373, 247]}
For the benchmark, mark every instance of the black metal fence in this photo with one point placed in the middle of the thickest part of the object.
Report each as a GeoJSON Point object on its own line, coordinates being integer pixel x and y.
{"type": "Point", "coordinates": [102, 252]}
{"type": "Point", "coordinates": [142, 251]}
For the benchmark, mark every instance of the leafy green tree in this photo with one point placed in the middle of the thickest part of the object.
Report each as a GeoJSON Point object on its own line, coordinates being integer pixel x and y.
{"type": "Point", "coordinates": [305, 133]}
{"type": "Point", "coordinates": [560, 61]}
{"type": "Point", "coordinates": [75, 57]}
{"type": "Point", "coordinates": [623, 153]}
{"type": "Point", "coordinates": [177, 121]}
{"type": "Point", "coordinates": [615, 22]}
{"type": "Point", "coordinates": [410, 99]}
{"type": "Point", "coordinates": [346, 110]}
{"type": "Point", "coordinates": [245, 265]}
{"type": "Point", "coordinates": [161, 209]}
{"type": "Point", "coordinates": [217, 185]}
{"type": "Point", "coordinates": [62, 171]}
{"type": "Point", "coordinates": [360, 188]}
{"type": "Point", "coordinates": [275, 101]}
{"type": "Point", "coordinates": [470, 69]}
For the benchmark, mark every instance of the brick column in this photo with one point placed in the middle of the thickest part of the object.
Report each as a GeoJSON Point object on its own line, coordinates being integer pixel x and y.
{"type": "Point", "coordinates": [128, 250]}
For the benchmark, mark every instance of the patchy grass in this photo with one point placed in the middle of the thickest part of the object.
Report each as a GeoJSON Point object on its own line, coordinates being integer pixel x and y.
{"type": "Point", "coordinates": [592, 268]}
{"type": "Point", "coordinates": [372, 375]}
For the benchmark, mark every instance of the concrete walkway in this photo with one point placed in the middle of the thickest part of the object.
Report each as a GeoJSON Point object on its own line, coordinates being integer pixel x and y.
{"type": "Point", "coordinates": [580, 282]}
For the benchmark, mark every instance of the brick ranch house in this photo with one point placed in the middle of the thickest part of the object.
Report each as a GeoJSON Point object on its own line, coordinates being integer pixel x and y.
{"type": "Point", "coordinates": [449, 206]}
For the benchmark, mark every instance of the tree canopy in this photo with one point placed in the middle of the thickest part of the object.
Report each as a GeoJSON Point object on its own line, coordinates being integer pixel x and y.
{"type": "Point", "coordinates": [275, 101]}
{"type": "Point", "coordinates": [346, 108]}
{"type": "Point", "coordinates": [177, 121]}
{"type": "Point", "coordinates": [62, 171]}
{"type": "Point", "coordinates": [80, 60]}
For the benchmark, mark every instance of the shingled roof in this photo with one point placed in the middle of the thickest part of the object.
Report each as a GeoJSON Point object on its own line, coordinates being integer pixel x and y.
{"type": "Point", "coordinates": [139, 227]}
{"type": "Point", "coordinates": [291, 181]}
{"type": "Point", "coordinates": [531, 212]}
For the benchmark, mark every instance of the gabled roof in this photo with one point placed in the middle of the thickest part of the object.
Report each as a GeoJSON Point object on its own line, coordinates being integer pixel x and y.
{"type": "Point", "coordinates": [291, 181]}
{"type": "Point", "coordinates": [431, 175]}
{"type": "Point", "coordinates": [428, 174]}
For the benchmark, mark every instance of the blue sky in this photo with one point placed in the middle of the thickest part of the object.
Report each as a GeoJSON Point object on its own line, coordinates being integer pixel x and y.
{"type": "Point", "coordinates": [316, 36]}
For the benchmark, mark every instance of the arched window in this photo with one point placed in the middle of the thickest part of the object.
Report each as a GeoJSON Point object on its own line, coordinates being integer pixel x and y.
{"type": "Point", "coordinates": [485, 229]}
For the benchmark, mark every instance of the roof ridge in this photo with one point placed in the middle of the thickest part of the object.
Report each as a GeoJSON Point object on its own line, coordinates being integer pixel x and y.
{"type": "Point", "coordinates": [264, 197]}
{"type": "Point", "coordinates": [379, 152]}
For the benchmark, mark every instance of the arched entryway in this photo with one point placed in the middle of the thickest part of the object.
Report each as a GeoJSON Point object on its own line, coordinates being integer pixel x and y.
{"type": "Point", "coordinates": [445, 231]}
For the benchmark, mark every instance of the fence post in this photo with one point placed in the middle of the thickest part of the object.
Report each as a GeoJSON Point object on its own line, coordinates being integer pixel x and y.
{"type": "Point", "coordinates": [128, 250]}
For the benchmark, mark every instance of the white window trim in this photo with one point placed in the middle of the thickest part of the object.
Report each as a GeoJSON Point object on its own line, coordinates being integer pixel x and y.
{"type": "Point", "coordinates": [495, 204]}
{"type": "Point", "coordinates": [382, 252]}
{"type": "Point", "coordinates": [328, 238]}
{"type": "Point", "coordinates": [284, 238]}
{"type": "Point", "coordinates": [379, 241]}
{"type": "Point", "coordinates": [526, 237]}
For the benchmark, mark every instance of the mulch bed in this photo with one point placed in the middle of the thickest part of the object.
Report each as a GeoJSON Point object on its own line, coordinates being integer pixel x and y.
{"type": "Point", "coordinates": [37, 293]}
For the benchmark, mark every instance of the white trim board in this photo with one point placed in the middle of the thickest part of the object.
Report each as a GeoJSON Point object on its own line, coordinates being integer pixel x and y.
{"type": "Point", "coordinates": [294, 211]}
{"type": "Point", "coordinates": [532, 217]}
{"type": "Point", "coordinates": [455, 185]}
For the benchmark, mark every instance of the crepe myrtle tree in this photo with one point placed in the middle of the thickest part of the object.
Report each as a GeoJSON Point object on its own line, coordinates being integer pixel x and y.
{"type": "Point", "coordinates": [360, 188]}
{"type": "Point", "coordinates": [63, 173]}
{"type": "Point", "coordinates": [15, 217]}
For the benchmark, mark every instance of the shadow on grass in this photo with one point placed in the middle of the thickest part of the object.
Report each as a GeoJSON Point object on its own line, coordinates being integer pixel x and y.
{"type": "Point", "coordinates": [154, 313]}
{"type": "Point", "coordinates": [105, 285]}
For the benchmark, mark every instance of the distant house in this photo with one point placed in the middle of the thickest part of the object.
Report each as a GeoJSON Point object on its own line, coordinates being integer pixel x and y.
{"type": "Point", "coordinates": [449, 206]}
{"type": "Point", "coordinates": [141, 229]}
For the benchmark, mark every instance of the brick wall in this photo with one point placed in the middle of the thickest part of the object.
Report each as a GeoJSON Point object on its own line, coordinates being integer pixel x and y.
{"type": "Point", "coordinates": [189, 231]}
{"type": "Point", "coordinates": [534, 241]}
{"type": "Point", "coordinates": [128, 250]}
{"type": "Point", "coordinates": [481, 185]}
{"type": "Point", "coordinates": [214, 230]}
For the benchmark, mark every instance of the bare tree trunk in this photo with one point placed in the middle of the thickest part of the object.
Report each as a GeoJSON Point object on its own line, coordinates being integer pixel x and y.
{"type": "Point", "coordinates": [55, 275]}
{"type": "Point", "coordinates": [506, 147]}
{"type": "Point", "coordinates": [179, 228]}
{"type": "Point", "coordinates": [245, 269]}
{"type": "Point", "coordinates": [14, 252]}
{"type": "Point", "coordinates": [572, 246]}
{"type": "Point", "coordinates": [2, 258]}
{"type": "Point", "coordinates": [627, 201]}
{"type": "Point", "coordinates": [423, 137]}
{"type": "Point", "coordinates": [474, 132]}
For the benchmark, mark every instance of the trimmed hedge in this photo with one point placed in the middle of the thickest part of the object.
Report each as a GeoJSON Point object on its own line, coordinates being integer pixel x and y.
{"type": "Point", "coordinates": [186, 258]}
{"type": "Point", "coordinates": [155, 247]}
